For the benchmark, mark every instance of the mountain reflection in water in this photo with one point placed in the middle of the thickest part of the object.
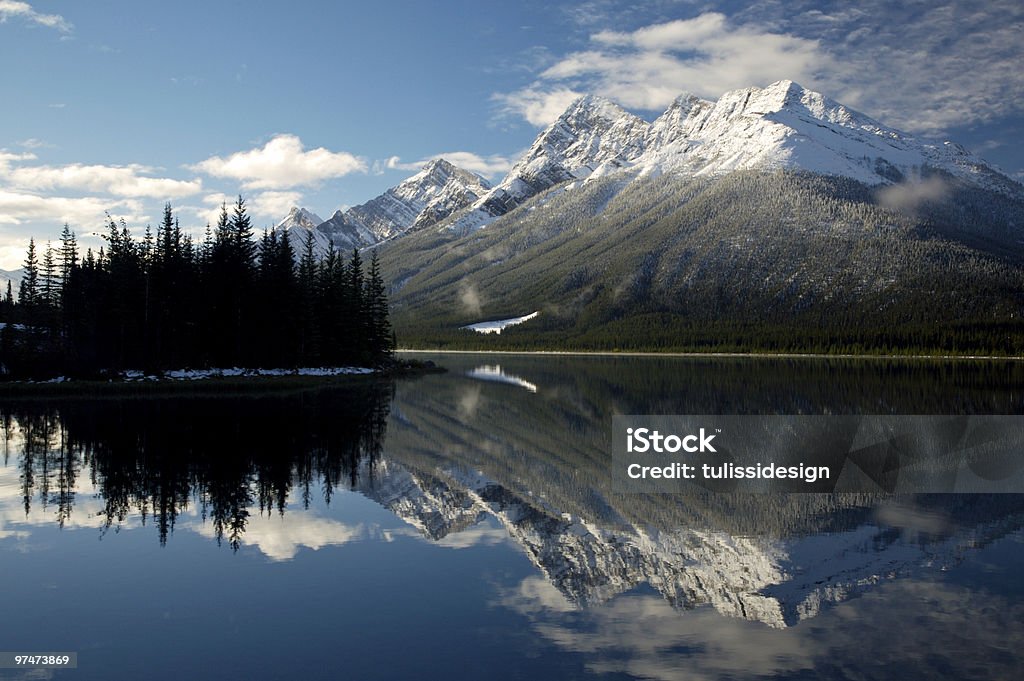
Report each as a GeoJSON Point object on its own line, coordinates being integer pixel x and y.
{"type": "Point", "coordinates": [467, 462]}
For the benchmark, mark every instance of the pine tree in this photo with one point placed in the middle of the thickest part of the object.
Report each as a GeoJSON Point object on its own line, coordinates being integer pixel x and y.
{"type": "Point", "coordinates": [379, 337]}
{"type": "Point", "coordinates": [242, 234]}
{"type": "Point", "coordinates": [28, 292]}
{"type": "Point", "coordinates": [356, 308]}
{"type": "Point", "coordinates": [308, 349]}
{"type": "Point", "coordinates": [8, 304]}
{"type": "Point", "coordinates": [49, 279]}
{"type": "Point", "coordinates": [68, 254]}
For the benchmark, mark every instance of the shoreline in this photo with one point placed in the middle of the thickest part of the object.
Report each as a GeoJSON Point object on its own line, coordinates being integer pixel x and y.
{"type": "Point", "coordinates": [714, 355]}
{"type": "Point", "coordinates": [225, 383]}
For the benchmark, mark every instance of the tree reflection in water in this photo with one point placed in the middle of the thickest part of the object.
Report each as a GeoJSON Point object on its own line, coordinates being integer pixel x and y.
{"type": "Point", "coordinates": [223, 455]}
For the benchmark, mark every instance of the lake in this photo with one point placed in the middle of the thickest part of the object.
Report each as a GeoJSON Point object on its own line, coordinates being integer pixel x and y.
{"type": "Point", "coordinates": [463, 526]}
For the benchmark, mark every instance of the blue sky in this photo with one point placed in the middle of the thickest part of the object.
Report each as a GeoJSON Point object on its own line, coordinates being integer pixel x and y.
{"type": "Point", "coordinates": [110, 105]}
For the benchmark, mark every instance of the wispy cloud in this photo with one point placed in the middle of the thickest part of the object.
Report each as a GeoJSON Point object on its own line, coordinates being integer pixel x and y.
{"type": "Point", "coordinates": [923, 67]}
{"type": "Point", "coordinates": [649, 67]}
{"type": "Point", "coordinates": [539, 104]}
{"type": "Point", "coordinates": [908, 197]}
{"type": "Point", "coordinates": [487, 166]}
{"type": "Point", "coordinates": [14, 9]}
{"type": "Point", "coordinates": [282, 163]}
{"type": "Point", "coordinates": [34, 143]}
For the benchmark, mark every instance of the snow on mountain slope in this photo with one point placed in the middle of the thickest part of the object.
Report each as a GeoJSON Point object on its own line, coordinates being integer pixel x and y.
{"type": "Point", "coordinates": [496, 326]}
{"type": "Point", "coordinates": [298, 224]}
{"type": "Point", "coordinates": [594, 135]}
{"type": "Point", "coordinates": [787, 126]}
{"type": "Point", "coordinates": [346, 232]}
{"type": "Point", "coordinates": [299, 217]}
{"type": "Point", "coordinates": [425, 198]}
{"type": "Point", "coordinates": [782, 125]}
{"type": "Point", "coordinates": [14, 278]}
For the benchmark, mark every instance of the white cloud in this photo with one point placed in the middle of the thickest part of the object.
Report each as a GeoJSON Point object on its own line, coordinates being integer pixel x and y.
{"type": "Point", "coordinates": [7, 157]}
{"type": "Point", "coordinates": [22, 10]}
{"type": "Point", "coordinates": [123, 181]}
{"type": "Point", "coordinates": [12, 255]}
{"type": "Point", "coordinates": [280, 538]}
{"type": "Point", "coordinates": [488, 166]}
{"type": "Point", "coordinates": [649, 67]}
{"type": "Point", "coordinates": [922, 67]}
{"type": "Point", "coordinates": [274, 205]}
{"type": "Point", "coordinates": [540, 105]}
{"type": "Point", "coordinates": [18, 207]}
{"type": "Point", "coordinates": [209, 213]}
{"type": "Point", "coordinates": [282, 163]}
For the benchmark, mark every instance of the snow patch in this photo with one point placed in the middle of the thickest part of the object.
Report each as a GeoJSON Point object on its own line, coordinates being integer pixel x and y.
{"type": "Point", "coordinates": [496, 374]}
{"type": "Point", "coordinates": [498, 325]}
{"type": "Point", "coordinates": [232, 372]}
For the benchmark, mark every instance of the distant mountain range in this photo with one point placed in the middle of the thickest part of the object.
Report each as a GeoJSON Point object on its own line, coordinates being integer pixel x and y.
{"type": "Point", "coordinates": [12, 276]}
{"type": "Point", "coordinates": [772, 206]}
{"type": "Point", "coordinates": [424, 199]}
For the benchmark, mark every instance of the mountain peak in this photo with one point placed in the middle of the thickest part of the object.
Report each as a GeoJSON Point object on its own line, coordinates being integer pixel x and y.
{"type": "Point", "coordinates": [591, 108]}
{"type": "Point", "coordinates": [430, 195]}
{"type": "Point", "coordinates": [436, 173]}
{"type": "Point", "coordinates": [438, 164]}
{"type": "Point", "coordinates": [784, 87]}
{"type": "Point", "coordinates": [299, 217]}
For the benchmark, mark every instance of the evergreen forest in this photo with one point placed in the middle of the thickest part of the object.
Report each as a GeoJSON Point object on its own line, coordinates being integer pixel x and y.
{"type": "Point", "coordinates": [168, 301]}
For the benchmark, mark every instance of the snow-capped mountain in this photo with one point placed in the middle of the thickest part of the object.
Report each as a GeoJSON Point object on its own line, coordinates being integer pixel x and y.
{"type": "Point", "coordinates": [593, 134]}
{"type": "Point", "coordinates": [14, 278]}
{"type": "Point", "coordinates": [787, 126]}
{"type": "Point", "coordinates": [299, 217]}
{"type": "Point", "coordinates": [425, 198]}
{"type": "Point", "coordinates": [298, 224]}
{"type": "Point", "coordinates": [428, 197]}
{"type": "Point", "coordinates": [781, 126]}
{"type": "Point", "coordinates": [346, 233]}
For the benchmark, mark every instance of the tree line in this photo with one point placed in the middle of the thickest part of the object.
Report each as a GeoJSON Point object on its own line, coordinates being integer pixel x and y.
{"type": "Point", "coordinates": [169, 301]}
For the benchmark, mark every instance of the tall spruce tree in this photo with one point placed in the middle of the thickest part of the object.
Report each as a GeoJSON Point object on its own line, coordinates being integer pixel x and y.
{"type": "Point", "coordinates": [356, 308]}
{"type": "Point", "coordinates": [308, 341]}
{"type": "Point", "coordinates": [68, 257]}
{"type": "Point", "coordinates": [379, 336]}
{"type": "Point", "coordinates": [49, 279]}
{"type": "Point", "coordinates": [28, 292]}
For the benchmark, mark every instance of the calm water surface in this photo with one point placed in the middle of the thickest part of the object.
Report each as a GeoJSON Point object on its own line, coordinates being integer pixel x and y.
{"type": "Point", "coordinates": [462, 526]}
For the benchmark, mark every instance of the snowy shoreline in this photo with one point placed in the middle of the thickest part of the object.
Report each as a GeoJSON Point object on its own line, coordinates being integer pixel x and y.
{"type": "Point", "coordinates": [135, 376]}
